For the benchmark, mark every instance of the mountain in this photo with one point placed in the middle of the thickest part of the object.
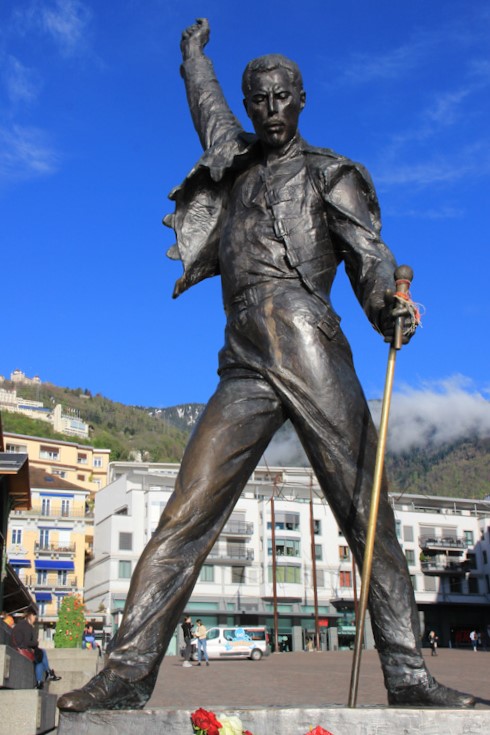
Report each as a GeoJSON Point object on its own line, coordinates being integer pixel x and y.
{"type": "Point", "coordinates": [459, 467]}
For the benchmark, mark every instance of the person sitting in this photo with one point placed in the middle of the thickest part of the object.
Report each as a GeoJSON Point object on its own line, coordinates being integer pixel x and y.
{"type": "Point", "coordinates": [24, 639]}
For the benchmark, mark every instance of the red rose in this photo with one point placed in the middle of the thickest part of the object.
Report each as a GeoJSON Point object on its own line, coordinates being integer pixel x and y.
{"type": "Point", "coordinates": [204, 720]}
{"type": "Point", "coordinates": [247, 732]}
{"type": "Point", "coordinates": [319, 731]}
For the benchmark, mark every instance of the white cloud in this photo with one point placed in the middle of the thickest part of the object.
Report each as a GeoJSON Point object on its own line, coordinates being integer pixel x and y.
{"type": "Point", "coordinates": [66, 21]}
{"type": "Point", "coordinates": [22, 84]}
{"type": "Point", "coordinates": [25, 153]}
{"type": "Point", "coordinates": [438, 413]}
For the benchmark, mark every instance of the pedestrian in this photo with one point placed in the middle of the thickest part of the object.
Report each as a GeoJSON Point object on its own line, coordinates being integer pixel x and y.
{"type": "Point", "coordinates": [202, 642]}
{"type": "Point", "coordinates": [187, 631]}
{"type": "Point", "coordinates": [474, 640]}
{"type": "Point", "coordinates": [433, 639]}
{"type": "Point", "coordinates": [24, 639]}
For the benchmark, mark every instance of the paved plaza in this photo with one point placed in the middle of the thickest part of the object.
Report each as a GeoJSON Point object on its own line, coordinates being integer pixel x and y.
{"type": "Point", "coordinates": [305, 679]}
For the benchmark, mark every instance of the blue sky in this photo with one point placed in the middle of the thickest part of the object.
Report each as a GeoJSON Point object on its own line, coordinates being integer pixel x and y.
{"type": "Point", "coordinates": [95, 131]}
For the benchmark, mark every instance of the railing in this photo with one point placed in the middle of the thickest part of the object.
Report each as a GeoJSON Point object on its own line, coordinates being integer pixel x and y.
{"type": "Point", "coordinates": [434, 567]}
{"type": "Point", "coordinates": [54, 513]}
{"type": "Point", "coordinates": [233, 554]}
{"type": "Point", "coordinates": [240, 528]}
{"type": "Point", "coordinates": [51, 581]}
{"type": "Point", "coordinates": [54, 548]}
{"type": "Point", "coordinates": [443, 542]}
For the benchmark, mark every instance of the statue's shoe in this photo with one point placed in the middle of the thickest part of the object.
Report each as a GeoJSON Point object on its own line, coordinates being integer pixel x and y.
{"type": "Point", "coordinates": [107, 690]}
{"type": "Point", "coordinates": [429, 694]}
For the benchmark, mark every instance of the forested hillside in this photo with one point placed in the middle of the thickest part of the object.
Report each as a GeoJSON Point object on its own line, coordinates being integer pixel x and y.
{"type": "Point", "coordinates": [458, 469]}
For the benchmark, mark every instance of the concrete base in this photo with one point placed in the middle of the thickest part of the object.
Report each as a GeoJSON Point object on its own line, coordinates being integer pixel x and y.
{"type": "Point", "coordinates": [16, 671]}
{"type": "Point", "coordinates": [284, 721]}
{"type": "Point", "coordinates": [26, 712]}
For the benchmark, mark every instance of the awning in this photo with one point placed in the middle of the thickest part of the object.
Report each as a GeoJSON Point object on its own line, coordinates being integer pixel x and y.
{"type": "Point", "coordinates": [20, 562]}
{"type": "Point", "coordinates": [43, 597]}
{"type": "Point", "coordinates": [57, 565]}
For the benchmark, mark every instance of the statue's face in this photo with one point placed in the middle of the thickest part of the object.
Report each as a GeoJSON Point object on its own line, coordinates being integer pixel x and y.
{"type": "Point", "coordinates": [274, 105]}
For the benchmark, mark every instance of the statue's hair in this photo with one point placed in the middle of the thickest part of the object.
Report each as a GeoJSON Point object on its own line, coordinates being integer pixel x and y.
{"type": "Point", "coordinates": [270, 63]}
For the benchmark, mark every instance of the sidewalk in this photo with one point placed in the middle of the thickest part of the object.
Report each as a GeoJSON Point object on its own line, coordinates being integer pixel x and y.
{"type": "Point", "coordinates": [305, 679]}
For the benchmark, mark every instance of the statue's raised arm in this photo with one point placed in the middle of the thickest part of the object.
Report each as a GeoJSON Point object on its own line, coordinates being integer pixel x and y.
{"type": "Point", "coordinates": [211, 115]}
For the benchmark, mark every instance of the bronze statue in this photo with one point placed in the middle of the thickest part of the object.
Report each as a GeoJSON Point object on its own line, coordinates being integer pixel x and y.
{"type": "Point", "coordinates": [274, 217]}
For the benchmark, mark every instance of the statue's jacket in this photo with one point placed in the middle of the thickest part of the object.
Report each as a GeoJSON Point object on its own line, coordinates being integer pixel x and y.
{"type": "Point", "coordinates": [325, 212]}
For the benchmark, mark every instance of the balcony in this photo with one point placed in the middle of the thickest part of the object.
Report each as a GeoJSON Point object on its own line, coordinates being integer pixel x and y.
{"type": "Point", "coordinates": [51, 582]}
{"type": "Point", "coordinates": [54, 549]}
{"type": "Point", "coordinates": [445, 543]}
{"type": "Point", "coordinates": [39, 511]}
{"type": "Point", "coordinates": [236, 556]}
{"type": "Point", "coordinates": [439, 568]}
{"type": "Point", "coordinates": [238, 528]}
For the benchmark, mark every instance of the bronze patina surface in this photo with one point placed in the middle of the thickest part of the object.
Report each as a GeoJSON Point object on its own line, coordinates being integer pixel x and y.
{"type": "Point", "coordinates": [274, 217]}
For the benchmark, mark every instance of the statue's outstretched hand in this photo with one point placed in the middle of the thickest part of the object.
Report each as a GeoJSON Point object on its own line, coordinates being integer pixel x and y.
{"type": "Point", "coordinates": [194, 38]}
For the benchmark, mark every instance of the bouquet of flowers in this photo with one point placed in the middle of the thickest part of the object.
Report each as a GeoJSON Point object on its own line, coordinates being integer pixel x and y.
{"type": "Point", "coordinates": [206, 723]}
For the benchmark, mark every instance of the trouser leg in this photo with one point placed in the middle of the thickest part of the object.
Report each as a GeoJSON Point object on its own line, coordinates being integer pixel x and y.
{"type": "Point", "coordinates": [335, 426]}
{"type": "Point", "coordinates": [223, 451]}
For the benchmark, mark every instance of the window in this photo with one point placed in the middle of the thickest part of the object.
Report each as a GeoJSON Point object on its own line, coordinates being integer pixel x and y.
{"type": "Point", "coordinates": [455, 585]}
{"type": "Point", "coordinates": [81, 478]}
{"type": "Point", "coordinates": [413, 580]}
{"type": "Point", "coordinates": [345, 579]}
{"type": "Point", "coordinates": [344, 553]}
{"type": "Point", "coordinates": [471, 560]}
{"type": "Point", "coordinates": [16, 448]}
{"type": "Point", "coordinates": [410, 557]}
{"type": "Point", "coordinates": [59, 473]}
{"type": "Point", "coordinates": [82, 458]}
{"type": "Point", "coordinates": [238, 575]}
{"type": "Point", "coordinates": [65, 507]}
{"type": "Point", "coordinates": [318, 552]}
{"type": "Point", "coordinates": [45, 506]}
{"type": "Point", "coordinates": [42, 577]}
{"type": "Point", "coordinates": [320, 578]}
{"type": "Point", "coordinates": [485, 556]}
{"type": "Point", "coordinates": [207, 573]}
{"type": "Point", "coordinates": [285, 547]}
{"type": "Point", "coordinates": [125, 541]}
{"type": "Point", "coordinates": [429, 584]}
{"type": "Point", "coordinates": [124, 569]}
{"type": "Point", "coordinates": [62, 577]}
{"type": "Point", "coordinates": [44, 538]}
{"type": "Point", "coordinates": [41, 606]}
{"type": "Point", "coordinates": [473, 586]}
{"type": "Point", "coordinates": [97, 462]}
{"type": "Point", "coordinates": [317, 527]}
{"type": "Point", "coordinates": [408, 533]}
{"type": "Point", "coordinates": [59, 600]}
{"type": "Point", "coordinates": [285, 521]}
{"type": "Point", "coordinates": [398, 529]}
{"type": "Point", "coordinates": [286, 574]}
{"type": "Point", "coordinates": [52, 453]}
{"type": "Point", "coordinates": [16, 535]}
{"type": "Point", "coordinates": [469, 538]}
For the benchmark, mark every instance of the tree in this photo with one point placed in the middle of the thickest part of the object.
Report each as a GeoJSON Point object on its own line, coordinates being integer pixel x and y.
{"type": "Point", "coordinates": [71, 622]}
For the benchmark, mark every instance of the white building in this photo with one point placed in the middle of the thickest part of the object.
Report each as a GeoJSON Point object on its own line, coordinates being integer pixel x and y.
{"type": "Point", "coordinates": [446, 542]}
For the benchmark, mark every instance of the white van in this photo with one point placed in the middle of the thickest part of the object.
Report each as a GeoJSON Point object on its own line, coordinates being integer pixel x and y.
{"type": "Point", "coordinates": [250, 641]}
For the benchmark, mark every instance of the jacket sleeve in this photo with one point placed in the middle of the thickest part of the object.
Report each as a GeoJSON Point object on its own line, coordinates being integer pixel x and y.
{"type": "Point", "coordinates": [212, 118]}
{"type": "Point", "coordinates": [355, 226]}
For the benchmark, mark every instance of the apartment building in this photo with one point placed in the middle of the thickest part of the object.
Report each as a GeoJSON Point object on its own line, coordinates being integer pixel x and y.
{"type": "Point", "coordinates": [47, 544]}
{"type": "Point", "coordinates": [80, 464]}
{"type": "Point", "coordinates": [446, 543]}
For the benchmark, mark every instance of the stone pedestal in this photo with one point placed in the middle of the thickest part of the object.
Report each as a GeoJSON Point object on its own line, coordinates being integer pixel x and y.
{"type": "Point", "coordinates": [284, 721]}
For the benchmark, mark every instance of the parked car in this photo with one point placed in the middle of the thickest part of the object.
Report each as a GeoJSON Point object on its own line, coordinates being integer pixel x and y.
{"type": "Point", "coordinates": [251, 641]}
